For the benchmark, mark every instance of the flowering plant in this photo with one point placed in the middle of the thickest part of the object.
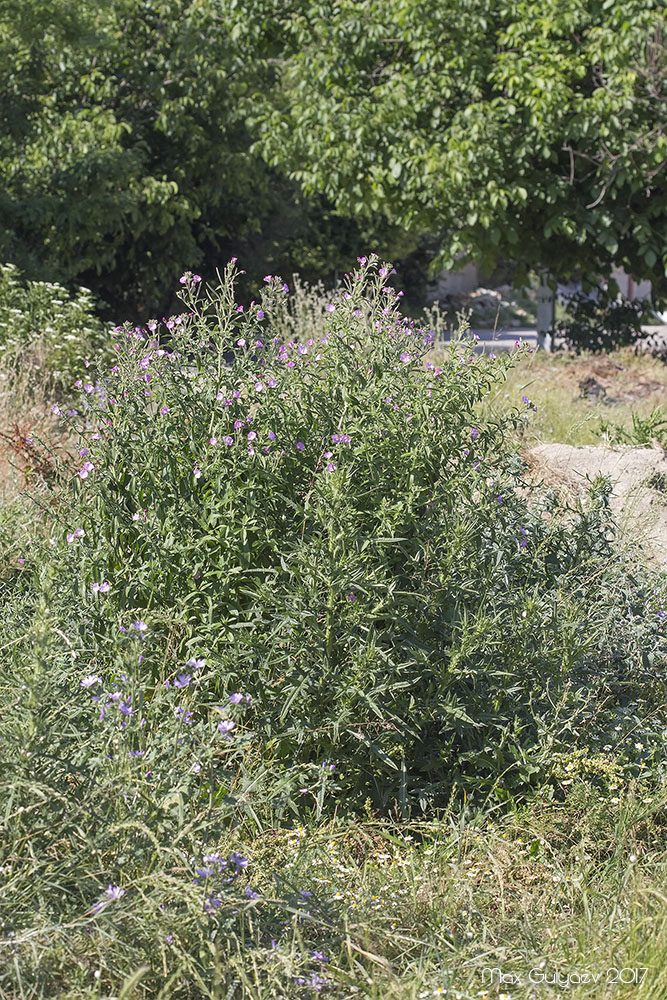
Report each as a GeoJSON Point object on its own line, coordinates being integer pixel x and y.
{"type": "Point", "coordinates": [333, 519]}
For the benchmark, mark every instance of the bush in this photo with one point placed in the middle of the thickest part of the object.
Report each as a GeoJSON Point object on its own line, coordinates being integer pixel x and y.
{"type": "Point", "coordinates": [48, 327]}
{"type": "Point", "coordinates": [345, 536]}
{"type": "Point", "coordinates": [599, 324]}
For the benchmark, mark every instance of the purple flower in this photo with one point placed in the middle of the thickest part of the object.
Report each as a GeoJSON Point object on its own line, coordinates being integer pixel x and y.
{"type": "Point", "coordinates": [90, 680]}
{"type": "Point", "coordinates": [213, 440]}
{"type": "Point", "coordinates": [251, 436]}
{"type": "Point", "coordinates": [140, 626]}
{"type": "Point", "coordinates": [164, 410]}
{"type": "Point", "coordinates": [405, 357]}
{"type": "Point", "coordinates": [228, 440]}
{"type": "Point", "coordinates": [125, 708]}
{"type": "Point", "coordinates": [300, 445]}
{"type": "Point", "coordinates": [184, 715]}
{"type": "Point", "coordinates": [195, 664]}
{"type": "Point", "coordinates": [238, 424]}
{"type": "Point", "coordinates": [331, 467]}
{"type": "Point", "coordinates": [240, 342]}
{"type": "Point", "coordinates": [182, 681]}
{"type": "Point", "coordinates": [236, 698]}
{"type": "Point", "coordinates": [112, 892]}
{"type": "Point", "coordinates": [196, 278]}
{"type": "Point", "coordinates": [225, 727]}
{"type": "Point", "coordinates": [271, 436]}
{"type": "Point", "coordinates": [319, 957]}
{"type": "Point", "coordinates": [260, 314]}
{"type": "Point", "coordinates": [474, 433]}
{"type": "Point", "coordinates": [136, 753]}
{"type": "Point", "coordinates": [197, 473]}
{"type": "Point", "coordinates": [238, 860]}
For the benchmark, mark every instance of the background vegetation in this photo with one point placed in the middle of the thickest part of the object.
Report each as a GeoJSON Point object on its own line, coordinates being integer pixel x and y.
{"type": "Point", "coordinates": [140, 138]}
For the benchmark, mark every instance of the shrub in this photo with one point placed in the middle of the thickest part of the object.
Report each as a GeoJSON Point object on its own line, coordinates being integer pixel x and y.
{"type": "Point", "coordinates": [47, 326]}
{"type": "Point", "coordinates": [342, 532]}
{"type": "Point", "coordinates": [599, 324]}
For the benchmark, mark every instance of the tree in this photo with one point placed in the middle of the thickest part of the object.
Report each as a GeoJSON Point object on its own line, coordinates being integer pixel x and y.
{"type": "Point", "coordinates": [529, 129]}
{"type": "Point", "coordinates": [125, 156]}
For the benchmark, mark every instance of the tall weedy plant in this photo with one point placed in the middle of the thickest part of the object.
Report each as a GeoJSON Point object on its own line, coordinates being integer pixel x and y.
{"type": "Point", "coordinates": [332, 520]}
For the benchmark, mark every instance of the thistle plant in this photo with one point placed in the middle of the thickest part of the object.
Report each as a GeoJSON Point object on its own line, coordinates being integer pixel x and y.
{"type": "Point", "coordinates": [334, 521]}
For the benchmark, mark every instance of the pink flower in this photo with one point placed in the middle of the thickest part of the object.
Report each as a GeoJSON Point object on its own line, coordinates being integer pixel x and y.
{"type": "Point", "coordinates": [405, 357]}
{"type": "Point", "coordinates": [251, 436]}
{"type": "Point", "coordinates": [330, 308]}
{"type": "Point", "coordinates": [240, 342]}
{"type": "Point", "coordinates": [228, 440]}
{"type": "Point", "coordinates": [196, 473]}
{"type": "Point", "coordinates": [213, 440]}
{"type": "Point", "coordinates": [196, 278]}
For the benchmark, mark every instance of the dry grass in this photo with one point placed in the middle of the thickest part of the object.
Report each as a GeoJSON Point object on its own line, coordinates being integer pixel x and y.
{"type": "Point", "coordinates": [575, 396]}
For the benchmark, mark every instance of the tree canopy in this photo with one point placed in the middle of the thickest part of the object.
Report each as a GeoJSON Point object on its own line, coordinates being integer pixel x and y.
{"type": "Point", "coordinates": [125, 155]}
{"type": "Point", "coordinates": [526, 129]}
{"type": "Point", "coordinates": [140, 137]}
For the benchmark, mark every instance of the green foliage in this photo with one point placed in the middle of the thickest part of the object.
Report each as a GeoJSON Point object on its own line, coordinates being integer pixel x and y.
{"type": "Point", "coordinates": [532, 131]}
{"type": "Point", "coordinates": [644, 430]}
{"type": "Point", "coordinates": [599, 324]}
{"type": "Point", "coordinates": [206, 643]}
{"type": "Point", "coordinates": [41, 321]}
{"type": "Point", "coordinates": [125, 155]}
{"type": "Point", "coordinates": [345, 536]}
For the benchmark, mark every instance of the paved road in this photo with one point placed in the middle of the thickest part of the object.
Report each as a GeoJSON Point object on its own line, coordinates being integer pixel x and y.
{"type": "Point", "coordinates": [504, 340]}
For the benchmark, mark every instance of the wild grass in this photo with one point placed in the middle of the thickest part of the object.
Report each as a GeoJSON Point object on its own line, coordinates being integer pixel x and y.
{"type": "Point", "coordinates": [363, 825]}
{"type": "Point", "coordinates": [577, 396]}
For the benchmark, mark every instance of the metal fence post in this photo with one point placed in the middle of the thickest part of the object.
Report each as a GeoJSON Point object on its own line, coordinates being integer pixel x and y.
{"type": "Point", "coordinates": [546, 313]}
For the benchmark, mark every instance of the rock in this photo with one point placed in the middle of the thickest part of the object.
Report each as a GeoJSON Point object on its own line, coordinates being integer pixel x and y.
{"type": "Point", "coordinates": [639, 478]}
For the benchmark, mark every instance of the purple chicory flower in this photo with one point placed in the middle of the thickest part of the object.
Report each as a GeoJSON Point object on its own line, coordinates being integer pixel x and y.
{"type": "Point", "coordinates": [182, 681]}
